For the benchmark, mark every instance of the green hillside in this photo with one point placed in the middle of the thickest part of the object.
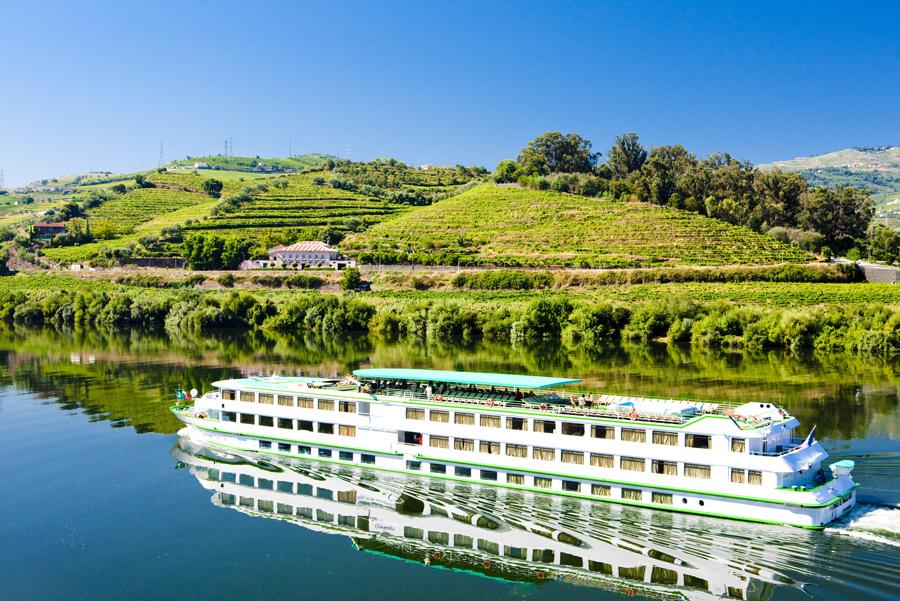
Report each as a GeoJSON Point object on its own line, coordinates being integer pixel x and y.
{"type": "Point", "coordinates": [257, 164]}
{"type": "Point", "coordinates": [499, 225]}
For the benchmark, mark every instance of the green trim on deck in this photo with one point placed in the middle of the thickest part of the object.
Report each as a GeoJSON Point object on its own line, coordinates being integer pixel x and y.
{"type": "Point", "coordinates": [463, 377]}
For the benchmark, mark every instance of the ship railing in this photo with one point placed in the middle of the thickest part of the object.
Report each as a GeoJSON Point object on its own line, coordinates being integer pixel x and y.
{"type": "Point", "coordinates": [795, 444]}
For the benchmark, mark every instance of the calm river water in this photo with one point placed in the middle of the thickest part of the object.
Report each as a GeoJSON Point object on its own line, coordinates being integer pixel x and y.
{"type": "Point", "coordinates": [102, 500]}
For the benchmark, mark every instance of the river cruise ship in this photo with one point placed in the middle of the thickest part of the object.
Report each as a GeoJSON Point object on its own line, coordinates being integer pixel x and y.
{"type": "Point", "coordinates": [739, 461]}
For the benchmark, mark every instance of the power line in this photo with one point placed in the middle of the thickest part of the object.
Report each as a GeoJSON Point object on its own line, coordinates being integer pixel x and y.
{"type": "Point", "coordinates": [160, 154]}
{"type": "Point", "coordinates": [1, 178]}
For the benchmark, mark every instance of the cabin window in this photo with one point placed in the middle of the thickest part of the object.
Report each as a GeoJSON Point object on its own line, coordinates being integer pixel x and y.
{"type": "Point", "coordinates": [517, 450]}
{"type": "Point", "coordinates": [229, 477]}
{"type": "Point", "coordinates": [516, 423]}
{"type": "Point", "coordinates": [666, 438]}
{"type": "Point", "coordinates": [284, 447]}
{"type": "Point", "coordinates": [413, 413]}
{"type": "Point", "coordinates": [265, 506]}
{"type": "Point", "coordinates": [489, 421]}
{"type": "Point", "coordinates": [265, 444]}
{"type": "Point", "coordinates": [545, 426]}
{"type": "Point", "coordinates": [569, 560]}
{"type": "Point", "coordinates": [462, 541]}
{"type": "Point", "coordinates": [439, 442]}
{"type": "Point", "coordinates": [344, 456]}
{"type": "Point", "coordinates": [634, 435]}
{"type": "Point", "coordinates": [738, 476]}
{"type": "Point", "coordinates": [462, 472]}
{"type": "Point", "coordinates": [543, 555]}
{"type": "Point", "coordinates": [600, 490]}
{"type": "Point", "coordinates": [573, 457]}
{"type": "Point", "coordinates": [633, 494]}
{"type": "Point", "coordinates": [266, 399]}
{"type": "Point", "coordinates": [439, 538]}
{"type": "Point", "coordinates": [515, 478]}
{"type": "Point", "coordinates": [489, 475]}
{"type": "Point", "coordinates": [347, 407]}
{"type": "Point", "coordinates": [247, 418]}
{"type": "Point", "coordinates": [246, 502]}
{"type": "Point", "coordinates": [410, 532]}
{"type": "Point", "coordinates": [229, 416]}
{"type": "Point", "coordinates": [324, 452]}
{"type": "Point", "coordinates": [541, 482]}
{"type": "Point", "coordinates": [326, 428]}
{"type": "Point", "coordinates": [543, 454]}
{"type": "Point", "coordinates": [325, 405]}
{"type": "Point", "coordinates": [697, 471]}
{"type": "Point", "coordinates": [228, 395]}
{"type": "Point", "coordinates": [598, 460]}
{"type": "Point", "coordinates": [287, 424]}
{"type": "Point", "coordinates": [696, 441]}
{"type": "Point", "coordinates": [214, 414]}
{"type": "Point", "coordinates": [488, 547]}
{"type": "Point", "coordinates": [492, 448]}
{"type": "Point", "coordinates": [464, 419]}
{"type": "Point", "coordinates": [245, 480]}
{"type": "Point", "coordinates": [666, 468]}
{"type": "Point", "coordinates": [570, 429]}
{"type": "Point", "coordinates": [738, 445]}
{"type": "Point", "coordinates": [302, 424]}
{"type": "Point", "coordinates": [632, 464]}
{"type": "Point", "coordinates": [227, 499]}
{"type": "Point", "coordinates": [305, 512]}
{"type": "Point", "coordinates": [438, 468]}
{"type": "Point", "coordinates": [699, 583]}
{"type": "Point", "coordinates": [414, 465]}
{"type": "Point", "coordinates": [571, 486]}
{"type": "Point", "coordinates": [662, 497]}
{"type": "Point", "coordinates": [754, 477]}
{"type": "Point", "coordinates": [367, 459]}
{"type": "Point", "coordinates": [346, 430]}
{"type": "Point", "coordinates": [267, 421]}
{"type": "Point", "coordinates": [285, 400]}
{"type": "Point", "coordinates": [515, 552]}
{"type": "Point", "coordinates": [346, 520]}
{"type": "Point", "coordinates": [248, 397]}
{"type": "Point", "coordinates": [265, 484]}
{"type": "Point", "coordinates": [304, 402]}
{"type": "Point", "coordinates": [463, 444]}
{"type": "Point", "coordinates": [603, 432]}
{"type": "Point", "coordinates": [285, 509]}
{"type": "Point", "coordinates": [304, 450]}
{"type": "Point", "coordinates": [284, 486]}
{"type": "Point", "coordinates": [439, 416]}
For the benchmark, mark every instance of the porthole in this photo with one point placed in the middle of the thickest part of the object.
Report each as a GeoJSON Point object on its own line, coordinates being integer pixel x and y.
{"type": "Point", "coordinates": [684, 501]}
{"type": "Point", "coordinates": [701, 503]}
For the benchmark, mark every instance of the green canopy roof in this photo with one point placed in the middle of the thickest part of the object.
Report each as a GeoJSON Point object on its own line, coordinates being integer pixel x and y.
{"type": "Point", "coordinates": [463, 377]}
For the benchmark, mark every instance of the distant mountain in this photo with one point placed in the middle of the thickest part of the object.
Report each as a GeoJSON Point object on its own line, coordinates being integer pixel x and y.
{"type": "Point", "coordinates": [874, 169]}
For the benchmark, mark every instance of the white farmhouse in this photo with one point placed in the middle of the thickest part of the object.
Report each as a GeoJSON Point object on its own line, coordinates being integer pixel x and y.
{"type": "Point", "coordinates": [302, 255]}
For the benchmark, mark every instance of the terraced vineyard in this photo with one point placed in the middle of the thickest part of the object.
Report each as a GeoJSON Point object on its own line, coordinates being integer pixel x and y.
{"type": "Point", "coordinates": [512, 226]}
{"type": "Point", "coordinates": [302, 209]}
{"type": "Point", "coordinates": [143, 204]}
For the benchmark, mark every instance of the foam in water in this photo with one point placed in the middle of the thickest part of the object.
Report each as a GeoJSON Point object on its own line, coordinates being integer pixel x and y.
{"type": "Point", "coordinates": [871, 522]}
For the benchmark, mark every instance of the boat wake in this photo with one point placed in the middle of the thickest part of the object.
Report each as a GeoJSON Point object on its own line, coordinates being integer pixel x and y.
{"type": "Point", "coordinates": [875, 523]}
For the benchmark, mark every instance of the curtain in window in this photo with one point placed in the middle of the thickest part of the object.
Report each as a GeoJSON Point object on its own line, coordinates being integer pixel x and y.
{"type": "Point", "coordinates": [541, 425]}
{"type": "Point", "coordinates": [603, 431]}
{"type": "Point", "coordinates": [463, 444]}
{"type": "Point", "coordinates": [573, 457]}
{"type": "Point", "coordinates": [666, 468]}
{"type": "Point", "coordinates": [738, 445]}
{"type": "Point", "coordinates": [697, 471]}
{"type": "Point", "coordinates": [754, 477]}
{"type": "Point", "coordinates": [464, 419]}
{"type": "Point", "coordinates": [326, 405]}
{"type": "Point", "coordinates": [516, 423]}
{"type": "Point", "coordinates": [544, 454]}
{"type": "Point", "coordinates": [304, 403]}
{"type": "Point", "coordinates": [738, 476]}
{"type": "Point", "coordinates": [347, 430]}
{"type": "Point", "coordinates": [412, 413]}
{"type": "Point", "coordinates": [632, 494]}
{"type": "Point", "coordinates": [248, 397]}
{"type": "Point", "coordinates": [285, 401]}
{"type": "Point", "coordinates": [667, 438]}
{"type": "Point", "coordinates": [515, 478]}
{"type": "Point", "coordinates": [439, 442]}
{"type": "Point", "coordinates": [490, 447]}
{"type": "Point", "coordinates": [266, 398]}
{"type": "Point", "coordinates": [632, 464]}
{"type": "Point", "coordinates": [633, 435]}
{"type": "Point", "coordinates": [602, 460]}
{"type": "Point", "coordinates": [440, 416]}
{"type": "Point", "coordinates": [490, 421]}
{"type": "Point", "coordinates": [600, 490]}
{"type": "Point", "coordinates": [517, 450]}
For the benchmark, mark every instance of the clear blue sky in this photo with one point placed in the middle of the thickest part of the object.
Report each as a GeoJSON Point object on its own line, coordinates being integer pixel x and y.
{"type": "Point", "coordinates": [98, 85]}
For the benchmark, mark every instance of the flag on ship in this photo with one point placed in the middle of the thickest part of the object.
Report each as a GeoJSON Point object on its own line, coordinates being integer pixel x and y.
{"type": "Point", "coordinates": [811, 438]}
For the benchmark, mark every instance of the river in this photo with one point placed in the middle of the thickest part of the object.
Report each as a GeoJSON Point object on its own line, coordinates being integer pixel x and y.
{"type": "Point", "coordinates": [102, 500]}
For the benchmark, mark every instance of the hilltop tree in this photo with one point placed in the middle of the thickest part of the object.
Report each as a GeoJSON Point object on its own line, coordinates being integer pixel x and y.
{"type": "Point", "coordinates": [507, 171]}
{"type": "Point", "coordinates": [554, 152]}
{"type": "Point", "coordinates": [841, 215]}
{"type": "Point", "coordinates": [213, 187]}
{"type": "Point", "coordinates": [626, 155]}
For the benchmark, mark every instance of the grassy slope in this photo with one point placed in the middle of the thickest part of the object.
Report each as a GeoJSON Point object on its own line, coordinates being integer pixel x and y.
{"type": "Point", "coordinates": [513, 226]}
{"type": "Point", "coordinates": [294, 163]}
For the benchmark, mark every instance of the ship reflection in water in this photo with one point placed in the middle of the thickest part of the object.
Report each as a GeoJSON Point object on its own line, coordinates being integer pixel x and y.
{"type": "Point", "coordinates": [504, 534]}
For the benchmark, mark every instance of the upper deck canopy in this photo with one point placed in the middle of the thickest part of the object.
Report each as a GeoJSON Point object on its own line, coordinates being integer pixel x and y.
{"type": "Point", "coordinates": [463, 377]}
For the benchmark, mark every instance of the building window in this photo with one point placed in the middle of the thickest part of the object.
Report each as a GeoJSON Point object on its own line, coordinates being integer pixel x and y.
{"type": "Point", "coordinates": [738, 445]}
{"type": "Point", "coordinates": [462, 541]}
{"type": "Point", "coordinates": [347, 407]}
{"type": "Point", "coordinates": [666, 468]}
{"type": "Point", "coordinates": [489, 421]}
{"type": "Point", "coordinates": [285, 400]}
{"type": "Point", "coordinates": [570, 429]}
{"type": "Point", "coordinates": [632, 464]}
{"type": "Point", "coordinates": [367, 459]}
{"type": "Point", "coordinates": [666, 438]}
{"type": "Point", "coordinates": [284, 447]}
{"type": "Point", "coordinates": [304, 402]}
{"type": "Point", "coordinates": [247, 418]}
{"type": "Point", "coordinates": [571, 486]}
{"type": "Point", "coordinates": [304, 450]}
{"type": "Point", "coordinates": [413, 413]}
{"type": "Point", "coordinates": [515, 478]}
{"type": "Point", "coordinates": [696, 441]}
{"type": "Point", "coordinates": [265, 506]}
{"type": "Point", "coordinates": [265, 444]}
{"type": "Point", "coordinates": [287, 424]}
{"type": "Point", "coordinates": [346, 430]}
{"type": "Point", "coordinates": [266, 399]}
{"type": "Point", "coordinates": [414, 465]}
{"type": "Point", "coordinates": [754, 477]}
{"type": "Point", "coordinates": [489, 475]}
{"type": "Point", "coordinates": [248, 397]}
{"type": "Point", "coordinates": [463, 444]}
{"type": "Point", "coordinates": [603, 432]}
{"type": "Point", "coordinates": [439, 442]}
{"type": "Point", "coordinates": [516, 423]}
{"type": "Point", "coordinates": [267, 421]}
{"type": "Point", "coordinates": [229, 416]}
{"type": "Point", "coordinates": [492, 448]}
{"type": "Point", "coordinates": [543, 454]}
{"type": "Point", "coordinates": [439, 416]}
{"type": "Point", "coordinates": [517, 450]}
{"type": "Point", "coordinates": [598, 460]}
{"type": "Point", "coordinates": [438, 468]}
{"type": "Point", "coordinates": [541, 482]}
{"type": "Point", "coordinates": [462, 472]}
{"type": "Point", "coordinates": [302, 424]}
{"type": "Point", "coordinates": [326, 428]}
{"type": "Point", "coordinates": [324, 452]}
{"type": "Point", "coordinates": [600, 490]}
{"type": "Point", "coordinates": [464, 419]}
{"type": "Point", "coordinates": [228, 395]}
{"type": "Point", "coordinates": [697, 471]}
{"type": "Point", "coordinates": [738, 476]}
{"type": "Point", "coordinates": [632, 494]}
{"type": "Point", "coordinates": [573, 457]}
{"type": "Point", "coordinates": [634, 435]}
{"type": "Point", "coordinates": [543, 555]}
{"type": "Point", "coordinates": [662, 498]}
{"type": "Point", "coordinates": [545, 426]}
{"type": "Point", "coordinates": [326, 405]}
